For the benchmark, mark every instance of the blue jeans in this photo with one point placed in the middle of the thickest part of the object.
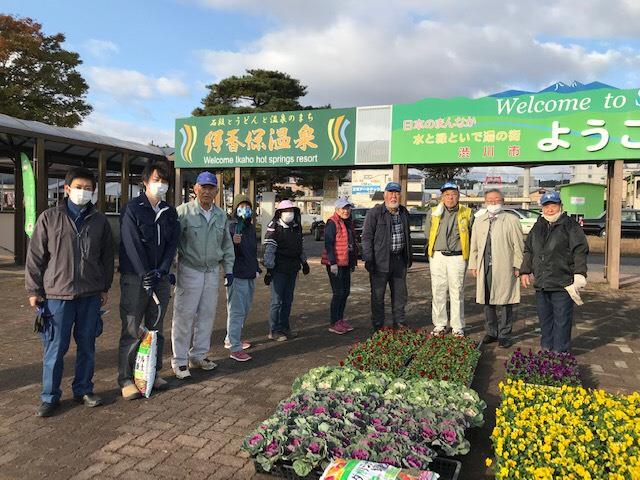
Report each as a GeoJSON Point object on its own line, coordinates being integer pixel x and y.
{"type": "Point", "coordinates": [239, 299]}
{"type": "Point", "coordinates": [82, 315]}
{"type": "Point", "coordinates": [555, 312]}
{"type": "Point", "coordinates": [282, 288]}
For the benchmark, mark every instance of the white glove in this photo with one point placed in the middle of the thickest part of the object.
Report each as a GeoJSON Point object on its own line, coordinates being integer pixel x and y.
{"type": "Point", "coordinates": [334, 269]}
{"type": "Point", "coordinates": [579, 282]}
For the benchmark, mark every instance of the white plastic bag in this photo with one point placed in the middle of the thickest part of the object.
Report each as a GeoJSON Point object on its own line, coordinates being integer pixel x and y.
{"type": "Point", "coordinates": [144, 374]}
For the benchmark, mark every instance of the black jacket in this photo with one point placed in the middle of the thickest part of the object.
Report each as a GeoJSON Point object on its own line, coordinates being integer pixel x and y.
{"type": "Point", "coordinates": [554, 253]}
{"type": "Point", "coordinates": [376, 237]}
{"type": "Point", "coordinates": [148, 241]}
{"type": "Point", "coordinates": [63, 262]}
{"type": "Point", "coordinates": [246, 263]}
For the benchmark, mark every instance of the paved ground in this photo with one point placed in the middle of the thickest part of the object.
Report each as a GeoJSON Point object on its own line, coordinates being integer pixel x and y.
{"type": "Point", "coordinates": [194, 430]}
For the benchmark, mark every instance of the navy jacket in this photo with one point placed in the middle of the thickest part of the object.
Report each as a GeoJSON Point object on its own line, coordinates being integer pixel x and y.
{"type": "Point", "coordinates": [148, 241]}
{"type": "Point", "coordinates": [246, 262]}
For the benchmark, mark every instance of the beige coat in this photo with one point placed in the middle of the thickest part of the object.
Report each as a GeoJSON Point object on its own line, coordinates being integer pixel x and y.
{"type": "Point", "coordinates": [506, 255]}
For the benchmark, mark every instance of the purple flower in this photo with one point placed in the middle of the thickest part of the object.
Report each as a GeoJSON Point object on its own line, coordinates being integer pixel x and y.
{"type": "Point", "coordinates": [390, 461]}
{"type": "Point", "coordinates": [314, 447]}
{"type": "Point", "coordinates": [360, 454]}
{"type": "Point", "coordinates": [255, 439]}
{"type": "Point", "coordinates": [337, 452]}
{"type": "Point", "coordinates": [319, 410]}
{"type": "Point", "coordinates": [427, 432]}
{"type": "Point", "coordinates": [288, 406]}
{"type": "Point", "coordinates": [449, 436]}
{"type": "Point", "coordinates": [271, 449]}
{"type": "Point", "coordinates": [412, 461]}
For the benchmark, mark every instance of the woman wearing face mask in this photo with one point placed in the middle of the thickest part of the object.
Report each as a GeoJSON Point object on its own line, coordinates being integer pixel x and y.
{"type": "Point", "coordinates": [283, 257]}
{"type": "Point", "coordinates": [340, 256]}
{"type": "Point", "coordinates": [555, 254]}
{"type": "Point", "coordinates": [245, 271]}
{"type": "Point", "coordinates": [495, 256]}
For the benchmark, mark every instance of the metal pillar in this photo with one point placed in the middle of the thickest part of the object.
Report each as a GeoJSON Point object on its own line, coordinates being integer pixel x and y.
{"type": "Point", "coordinates": [178, 196]}
{"type": "Point", "coordinates": [102, 180]}
{"type": "Point", "coordinates": [42, 181]}
{"type": "Point", "coordinates": [526, 182]}
{"type": "Point", "coordinates": [613, 227]}
{"type": "Point", "coordinates": [124, 180]}
{"type": "Point", "coordinates": [251, 188]}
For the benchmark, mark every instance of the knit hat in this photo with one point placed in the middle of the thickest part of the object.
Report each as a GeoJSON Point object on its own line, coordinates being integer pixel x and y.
{"type": "Point", "coordinates": [238, 199]}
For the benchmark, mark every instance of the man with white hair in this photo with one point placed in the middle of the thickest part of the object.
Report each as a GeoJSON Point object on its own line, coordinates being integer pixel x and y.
{"type": "Point", "coordinates": [495, 258]}
{"type": "Point", "coordinates": [204, 244]}
{"type": "Point", "coordinates": [448, 226]}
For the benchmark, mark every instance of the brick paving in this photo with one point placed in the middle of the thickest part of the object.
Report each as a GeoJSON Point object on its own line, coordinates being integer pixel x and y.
{"type": "Point", "coordinates": [194, 429]}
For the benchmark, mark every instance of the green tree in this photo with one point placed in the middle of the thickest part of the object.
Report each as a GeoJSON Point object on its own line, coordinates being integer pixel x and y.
{"type": "Point", "coordinates": [257, 91]}
{"type": "Point", "coordinates": [442, 174]}
{"type": "Point", "coordinates": [38, 78]}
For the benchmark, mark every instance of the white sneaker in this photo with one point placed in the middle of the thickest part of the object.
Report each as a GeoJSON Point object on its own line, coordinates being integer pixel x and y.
{"type": "Point", "coordinates": [438, 331]}
{"type": "Point", "coordinates": [204, 364]}
{"type": "Point", "coordinates": [182, 372]}
{"type": "Point", "coordinates": [458, 333]}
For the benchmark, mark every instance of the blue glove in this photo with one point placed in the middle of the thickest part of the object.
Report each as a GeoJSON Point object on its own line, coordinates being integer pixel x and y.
{"type": "Point", "coordinates": [228, 279]}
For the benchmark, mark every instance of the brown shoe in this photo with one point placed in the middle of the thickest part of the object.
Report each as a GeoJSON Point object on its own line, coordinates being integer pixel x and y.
{"type": "Point", "coordinates": [130, 392]}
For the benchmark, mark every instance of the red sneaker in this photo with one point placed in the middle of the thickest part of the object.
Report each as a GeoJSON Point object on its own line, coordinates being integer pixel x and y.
{"type": "Point", "coordinates": [240, 356]}
{"type": "Point", "coordinates": [338, 328]}
{"type": "Point", "coordinates": [346, 325]}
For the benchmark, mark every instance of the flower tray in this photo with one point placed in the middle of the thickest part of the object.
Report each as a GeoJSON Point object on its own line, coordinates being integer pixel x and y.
{"type": "Point", "coordinates": [447, 468]}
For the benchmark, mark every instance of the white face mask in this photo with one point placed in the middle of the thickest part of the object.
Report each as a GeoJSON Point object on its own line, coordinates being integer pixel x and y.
{"type": "Point", "coordinates": [80, 196]}
{"type": "Point", "coordinates": [552, 218]}
{"type": "Point", "coordinates": [158, 189]}
{"type": "Point", "coordinates": [287, 217]}
{"type": "Point", "coordinates": [493, 209]}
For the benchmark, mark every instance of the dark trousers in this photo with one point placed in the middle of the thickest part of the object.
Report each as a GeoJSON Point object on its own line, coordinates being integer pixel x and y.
{"type": "Point", "coordinates": [396, 277]}
{"type": "Point", "coordinates": [341, 287]}
{"type": "Point", "coordinates": [136, 309]}
{"type": "Point", "coordinates": [555, 312]}
{"type": "Point", "coordinates": [498, 326]}
{"type": "Point", "coordinates": [82, 317]}
{"type": "Point", "coordinates": [282, 287]}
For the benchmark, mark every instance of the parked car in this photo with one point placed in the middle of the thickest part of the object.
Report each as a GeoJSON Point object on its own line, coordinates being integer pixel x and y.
{"type": "Point", "coordinates": [317, 229]}
{"type": "Point", "coordinates": [418, 234]}
{"type": "Point", "coordinates": [597, 226]}
{"type": "Point", "coordinates": [528, 218]}
{"type": "Point", "coordinates": [357, 216]}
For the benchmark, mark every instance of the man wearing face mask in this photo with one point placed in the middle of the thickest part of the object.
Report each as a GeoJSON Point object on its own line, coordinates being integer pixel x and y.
{"type": "Point", "coordinates": [495, 258]}
{"type": "Point", "coordinates": [149, 238]}
{"type": "Point", "coordinates": [205, 243]}
{"type": "Point", "coordinates": [283, 257]}
{"type": "Point", "coordinates": [68, 273]}
{"type": "Point", "coordinates": [386, 250]}
{"type": "Point", "coordinates": [449, 230]}
{"type": "Point", "coordinates": [555, 254]}
{"type": "Point", "coordinates": [245, 271]}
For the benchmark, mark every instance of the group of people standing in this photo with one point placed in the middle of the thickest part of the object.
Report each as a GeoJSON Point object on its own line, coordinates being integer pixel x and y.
{"type": "Point", "coordinates": [70, 265]}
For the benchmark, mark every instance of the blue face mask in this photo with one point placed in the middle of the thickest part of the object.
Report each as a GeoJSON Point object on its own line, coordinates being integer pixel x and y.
{"type": "Point", "coordinates": [243, 212]}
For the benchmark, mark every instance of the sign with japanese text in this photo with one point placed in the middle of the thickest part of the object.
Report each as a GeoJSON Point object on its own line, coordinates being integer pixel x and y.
{"type": "Point", "coordinates": [303, 138]}
{"type": "Point", "coordinates": [599, 124]}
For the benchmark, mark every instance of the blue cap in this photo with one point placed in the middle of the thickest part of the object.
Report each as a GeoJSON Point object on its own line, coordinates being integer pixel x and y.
{"type": "Point", "coordinates": [449, 186]}
{"type": "Point", "coordinates": [207, 178]}
{"type": "Point", "coordinates": [550, 197]}
{"type": "Point", "coordinates": [343, 202]}
{"type": "Point", "coordinates": [393, 187]}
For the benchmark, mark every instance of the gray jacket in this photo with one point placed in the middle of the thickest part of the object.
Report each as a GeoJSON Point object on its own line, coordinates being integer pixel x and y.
{"type": "Point", "coordinates": [376, 238]}
{"type": "Point", "coordinates": [64, 263]}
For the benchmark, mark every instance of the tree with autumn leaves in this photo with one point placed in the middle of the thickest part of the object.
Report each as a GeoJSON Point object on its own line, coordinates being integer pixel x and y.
{"type": "Point", "coordinates": [39, 79]}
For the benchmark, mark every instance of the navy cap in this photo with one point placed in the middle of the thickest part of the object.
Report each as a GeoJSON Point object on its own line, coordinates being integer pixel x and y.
{"type": "Point", "coordinates": [449, 186]}
{"type": "Point", "coordinates": [207, 178]}
{"type": "Point", "coordinates": [393, 187]}
{"type": "Point", "coordinates": [343, 202]}
{"type": "Point", "coordinates": [550, 197]}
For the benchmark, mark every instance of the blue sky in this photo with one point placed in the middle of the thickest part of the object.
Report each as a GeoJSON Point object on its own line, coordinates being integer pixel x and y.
{"type": "Point", "coordinates": [147, 63]}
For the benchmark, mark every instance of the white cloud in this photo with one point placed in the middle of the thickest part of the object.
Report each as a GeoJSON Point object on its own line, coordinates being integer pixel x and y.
{"type": "Point", "coordinates": [131, 83]}
{"type": "Point", "coordinates": [103, 124]}
{"type": "Point", "coordinates": [100, 48]}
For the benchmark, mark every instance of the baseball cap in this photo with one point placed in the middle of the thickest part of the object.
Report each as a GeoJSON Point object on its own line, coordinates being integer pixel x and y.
{"type": "Point", "coordinates": [393, 187]}
{"type": "Point", "coordinates": [449, 186]}
{"type": "Point", "coordinates": [550, 197]}
{"type": "Point", "coordinates": [207, 178]}
{"type": "Point", "coordinates": [343, 202]}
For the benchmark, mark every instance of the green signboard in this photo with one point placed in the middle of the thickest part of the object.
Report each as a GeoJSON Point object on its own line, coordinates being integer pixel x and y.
{"type": "Point", "coordinates": [303, 138]}
{"type": "Point", "coordinates": [601, 124]}
{"type": "Point", "coordinates": [29, 188]}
